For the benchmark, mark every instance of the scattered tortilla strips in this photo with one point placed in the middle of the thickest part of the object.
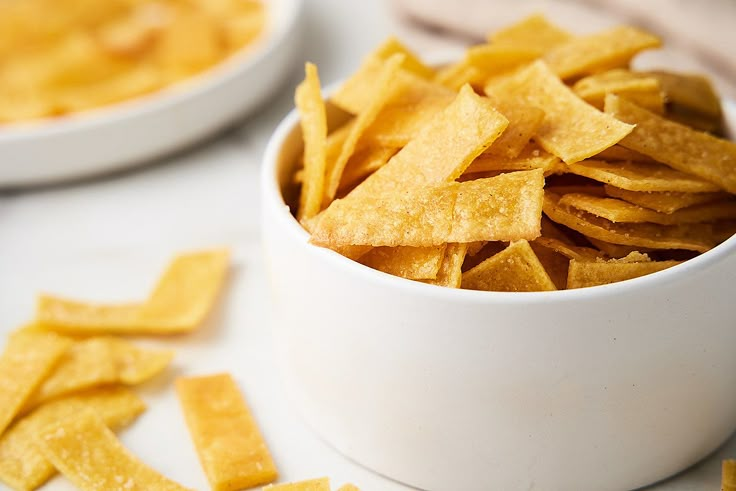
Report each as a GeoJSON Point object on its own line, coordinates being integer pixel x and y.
{"type": "Point", "coordinates": [311, 107]}
{"type": "Point", "coordinates": [643, 90]}
{"type": "Point", "coordinates": [533, 32]}
{"type": "Point", "coordinates": [515, 269]}
{"type": "Point", "coordinates": [610, 48]}
{"type": "Point", "coordinates": [583, 274]}
{"type": "Point", "coordinates": [664, 202]}
{"type": "Point", "coordinates": [87, 453]}
{"type": "Point", "coordinates": [617, 210]}
{"type": "Point", "coordinates": [23, 466]}
{"type": "Point", "coordinates": [692, 237]}
{"type": "Point", "coordinates": [414, 263]}
{"type": "Point", "coordinates": [381, 92]}
{"type": "Point", "coordinates": [728, 475]}
{"type": "Point", "coordinates": [27, 360]}
{"type": "Point", "coordinates": [507, 207]}
{"type": "Point", "coordinates": [572, 129]}
{"type": "Point", "coordinates": [532, 157]}
{"type": "Point", "coordinates": [231, 449]}
{"type": "Point", "coordinates": [678, 146]}
{"type": "Point", "coordinates": [321, 484]}
{"type": "Point", "coordinates": [638, 176]}
{"type": "Point", "coordinates": [179, 303]}
{"type": "Point", "coordinates": [524, 120]}
{"type": "Point", "coordinates": [450, 272]}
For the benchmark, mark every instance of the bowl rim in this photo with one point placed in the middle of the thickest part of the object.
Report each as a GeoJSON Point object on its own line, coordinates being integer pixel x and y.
{"type": "Point", "coordinates": [272, 199]}
{"type": "Point", "coordinates": [281, 16]}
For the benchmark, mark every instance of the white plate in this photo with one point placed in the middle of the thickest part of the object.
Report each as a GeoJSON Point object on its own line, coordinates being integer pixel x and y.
{"type": "Point", "coordinates": [131, 132]}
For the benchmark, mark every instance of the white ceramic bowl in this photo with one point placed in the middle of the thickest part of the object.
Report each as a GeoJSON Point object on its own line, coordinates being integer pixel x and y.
{"type": "Point", "coordinates": [605, 388]}
{"type": "Point", "coordinates": [141, 129]}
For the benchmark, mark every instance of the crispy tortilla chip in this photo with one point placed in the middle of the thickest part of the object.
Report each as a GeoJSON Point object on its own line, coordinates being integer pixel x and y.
{"type": "Point", "coordinates": [450, 273]}
{"type": "Point", "coordinates": [533, 32]}
{"type": "Point", "coordinates": [457, 74]}
{"type": "Point", "coordinates": [231, 449]}
{"type": "Point", "coordinates": [507, 207]}
{"type": "Point", "coordinates": [689, 92]}
{"type": "Point", "coordinates": [616, 250]}
{"type": "Point", "coordinates": [311, 107]}
{"type": "Point", "coordinates": [639, 176]}
{"type": "Point", "coordinates": [582, 274]}
{"type": "Point", "coordinates": [382, 91]}
{"type": "Point", "coordinates": [642, 90]}
{"type": "Point", "coordinates": [532, 157]}
{"type": "Point", "coordinates": [23, 466]}
{"type": "Point", "coordinates": [568, 250]}
{"type": "Point", "coordinates": [664, 202]}
{"type": "Point", "coordinates": [494, 59]}
{"type": "Point", "coordinates": [69, 316]}
{"type": "Point", "coordinates": [572, 129]}
{"type": "Point", "coordinates": [27, 360]}
{"type": "Point", "coordinates": [87, 453]}
{"type": "Point", "coordinates": [613, 47]}
{"type": "Point", "coordinates": [515, 269]}
{"type": "Point", "coordinates": [321, 484]}
{"type": "Point", "coordinates": [618, 153]}
{"type": "Point", "coordinates": [728, 475]}
{"type": "Point", "coordinates": [692, 237]}
{"type": "Point", "coordinates": [554, 263]}
{"type": "Point", "coordinates": [617, 210]}
{"type": "Point", "coordinates": [678, 146]}
{"type": "Point", "coordinates": [362, 164]}
{"type": "Point", "coordinates": [551, 230]}
{"type": "Point", "coordinates": [136, 365]}
{"type": "Point", "coordinates": [524, 121]}
{"type": "Point", "coordinates": [414, 263]}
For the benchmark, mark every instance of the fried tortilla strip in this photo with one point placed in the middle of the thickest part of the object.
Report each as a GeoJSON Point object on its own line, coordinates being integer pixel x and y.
{"type": "Point", "coordinates": [355, 94]}
{"type": "Point", "coordinates": [692, 237]}
{"type": "Point", "coordinates": [639, 176]}
{"type": "Point", "coordinates": [231, 449]}
{"type": "Point", "coordinates": [568, 250]}
{"type": "Point", "coordinates": [87, 453]}
{"type": "Point", "coordinates": [728, 475]}
{"type": "Point", "coordinates": [321, 484]}
{"type": "Point", "coordinates": [664, 202]}
{"type": "Point", "coordinates": [23, 466]}
{"type": "Point", "coordinates": [583, 274]}
{"type": "Point", "coordinates": [610, 48]}
{"type": "Point", "coordinates": [490, 60]}
{"type": "Point", "coordinates": [532, 157]}
{"type": "Point", "coordinates": [135, 365]}
{"type": "Point", "coordinates": [515, 269]}
{"type": "Point", "coordinates": [507, 207]}
{"type": "Point", "coordinates": [616, 250]}
{"type": "Point", "coordinates": [618, 153]}
{"type": "Point", "coordinates": [73, 317]}
{"type": "Point", "coordinates": [689, 92]}
{"type": "Point", "coordinates": [533, 32]}
{"type": "Point", "coordinates": [362, 164]}
{"type": "Point", "coordinates": [524, 121]}
{"type": "Point", "coordinates": [450, 272]}
{"type": "Point", "coordinates": [617, 210]}
{"type": "Point", "coordinates": [414, 263]}
{"type": "Point", "coordinates": [642, 90]}
{"type": "Point", "coordinates": [28, 358]}
{"type": "Point", "coordinates": [572, 129]}
{"type": "Point", "coordinates": [313, 120]}
{"type": "Point", "coordinates": [678, 146]}
{"type": "Point", "coordinates": [382, 91]}
{"type": "Point", "coordinates": [554, 263]}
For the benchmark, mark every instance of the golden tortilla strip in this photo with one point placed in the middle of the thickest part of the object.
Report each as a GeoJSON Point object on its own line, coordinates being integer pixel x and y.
{"type": "Point", "coordinates": [450, 272]}
{"type": "Point", "coordinates": [640, 176]}
{"type": "Point", "coordinates": [135, 365]}
{"type": "Point", "coordinates": [524, 120]}
{"type": "Point", "coordinates": [533, 32]}
{"type": "Point", "coordinates": [618, 153]}
{"type": "Point", "coordinates": [23, 466]}
{"type": "Point", "coordinates": [569, 251]}
{"type": "Point", "coordinates": [609, 48]}
{"type": "Point", "coordinates": [664, 202]}
{"type": "Point", "coordinates": [694, 93]}
{"type": "Point", "coordinates": [381, 91]}
{"type": "Point", "coordinates": [456, 75]}
{"type": "Point", "coordinates": [554, 263]}
{"type": "Point", "coordinates": [617, 210]}
{"type": "Point", "coordinates": [583, 274]}
{"type": "Point", "coordinates": [507, 207]}
{"type": "Point", "coordinates": [231, 449]}
{"type": "Point", "coordinates": [515, 269]}
{"type": "Point", "coordinates": [494, 59]}
{"type": "Point", "coordinates": [321, 484]}
{"type": "Point", "coordinates": [414, 263]}
{"type": "Point", "coordinates": [181, 300]}
{"type": "Point", "coordinates": [572, 129]}
{"type": "Point", "coordinates": [313, 121]}
{"type": "Point", "coordinates": [355, 94]}
{"type": "Point", "coordinates": [678, 146]}
{"type": "Point", "coordinates": [87, 453]}
{"type": "Point", "coordinates": [27, 360]}
{"type": "Point", "coordinates": [362, 164]}
{"type": "Point", "coordinates": [692, 237]}
{"type": "Point", "coordinates": [728, 475]}
{"type": "Point", "coordinates": [616, 250]}
{"type": "Point", "coordinates": [645, 91]}
{"type": "Point", "coordinates": [531, 157]}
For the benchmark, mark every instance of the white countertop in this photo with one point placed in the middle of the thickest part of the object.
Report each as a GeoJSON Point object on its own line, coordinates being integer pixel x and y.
{"type": "Point", "coordinates": [107, 239]}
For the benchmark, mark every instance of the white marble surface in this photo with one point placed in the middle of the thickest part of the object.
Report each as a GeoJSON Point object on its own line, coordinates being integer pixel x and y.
{"type": "Point", "coordinates": [107, 238]}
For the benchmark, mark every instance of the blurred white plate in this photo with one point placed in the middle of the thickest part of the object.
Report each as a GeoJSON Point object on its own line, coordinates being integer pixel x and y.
{"type": "Point", "coordinates": [131, 132]}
